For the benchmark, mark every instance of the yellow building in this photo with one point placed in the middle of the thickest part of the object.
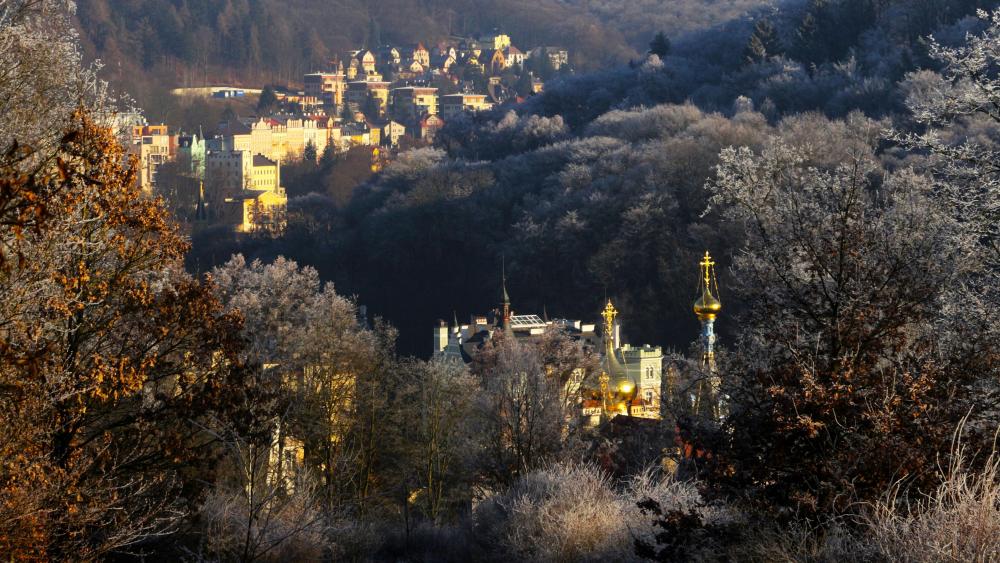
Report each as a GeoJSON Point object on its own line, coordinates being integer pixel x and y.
{"type": "Point", "coordinates": [153, 145]}
{"type": "Point", "coordinates": [280, 138]}
{"type": "Point", "coordinates": [327, 86]}
{"type": "Point", "coordinates": [413, 102]}
{"type": "Point", "coordinates": [249, 189]}
{"type": "Point", "coordinates": [454, 104]}
{"type": "Point", "coordinates": [392, 132]}
{"type": "Point", "coordinates": [358, 134]}
{"type": "Point", "coordinates": [496, 42]}
{"type": "Point", "coordinates": [366, 61]}
{"type": "Point", "coordinates": [360, 91]}
{"type": "Point", "coordinates": [421, 55]}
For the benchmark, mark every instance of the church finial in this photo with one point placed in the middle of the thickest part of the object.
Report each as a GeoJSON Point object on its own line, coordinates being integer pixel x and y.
{"type": "Point", "coordinates": [707, 306]}
{"type": "Point", "coordinates": [609, 313]}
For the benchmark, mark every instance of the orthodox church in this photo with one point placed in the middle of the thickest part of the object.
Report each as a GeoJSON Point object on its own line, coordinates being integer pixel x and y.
{"type": "Point", "coordinates": [631, 378]}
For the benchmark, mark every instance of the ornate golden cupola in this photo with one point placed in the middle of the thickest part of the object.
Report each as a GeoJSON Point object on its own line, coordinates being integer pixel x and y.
{"type": "Point", "coordinates": [707, 306]}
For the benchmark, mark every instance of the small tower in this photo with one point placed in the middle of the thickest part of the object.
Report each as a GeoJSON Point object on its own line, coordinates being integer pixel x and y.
{"type": "Point", "coordinates": [622, 391]}
{"type": "Point", "coordinates": [707, 308]}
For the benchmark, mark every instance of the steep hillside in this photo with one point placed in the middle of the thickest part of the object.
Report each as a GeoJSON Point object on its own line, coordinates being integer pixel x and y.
{"type": "Point", "coordinates": [597, 185]}
{"type": "Point", "coordinates": [190, 42]}
{"type": "Point", "coordinates": [181, 42]}
{"type": "Point", "coordinates": [638, 20]}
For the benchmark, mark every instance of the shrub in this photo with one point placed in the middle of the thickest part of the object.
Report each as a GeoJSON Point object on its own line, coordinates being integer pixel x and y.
{"type": "Point", "coordinates": [577, 513]}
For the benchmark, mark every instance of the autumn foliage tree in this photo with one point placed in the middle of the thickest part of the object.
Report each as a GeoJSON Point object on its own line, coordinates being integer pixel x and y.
{"type": "Point", "coordinates": [109, 353]}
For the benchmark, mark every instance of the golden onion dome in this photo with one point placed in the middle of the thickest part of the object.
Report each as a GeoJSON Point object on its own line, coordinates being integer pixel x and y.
{"type": "Point", "coordinates": [707, 305]}
{"type": "Point", "coordinates": [627, 390]}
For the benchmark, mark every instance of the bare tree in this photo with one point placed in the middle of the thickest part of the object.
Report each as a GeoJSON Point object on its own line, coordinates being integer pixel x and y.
{"type": "Point", "coordinates": [523, 410]}
{"type": "Point", "coordinates": [437, 448]}
{"type": "Point", "coordinates": [255, 513]}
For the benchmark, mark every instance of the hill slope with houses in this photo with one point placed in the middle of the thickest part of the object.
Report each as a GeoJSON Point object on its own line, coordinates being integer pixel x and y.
{"type": "Point", "coordinates": [187, 43]}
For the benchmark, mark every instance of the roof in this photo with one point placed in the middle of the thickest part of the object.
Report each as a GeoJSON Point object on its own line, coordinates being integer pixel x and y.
{"type": "Point", "coordinates": [463, 96]}
{"type": "Point", "coordinates": [429, 118]}
{"type": "Point", "coordinates": [526, 321]}
{"type": "Point", "coordinates": [354, 128]}
{"type": "Point", "coordinates": [261, 160]}
{"type": "Point", "coordinates": [415, 88]}
{"type": "Point", "coordinates": [245, 195]}
{"type": "Point", "coordinates": [234, 127]}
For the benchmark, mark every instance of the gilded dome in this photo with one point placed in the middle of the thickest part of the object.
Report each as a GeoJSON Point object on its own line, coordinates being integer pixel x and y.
{"type": "Point", "coordinates": [627, 390]}
{"type": "Point", "coordinates": [707, 305]}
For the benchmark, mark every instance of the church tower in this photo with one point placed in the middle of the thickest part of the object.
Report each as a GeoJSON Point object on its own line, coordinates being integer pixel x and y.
{"type": "Point", "coordinates": [707, 308]}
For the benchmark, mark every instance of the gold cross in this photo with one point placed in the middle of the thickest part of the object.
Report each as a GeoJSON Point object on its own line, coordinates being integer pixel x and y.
{"type": "Point", "coordinates": [706, 264]}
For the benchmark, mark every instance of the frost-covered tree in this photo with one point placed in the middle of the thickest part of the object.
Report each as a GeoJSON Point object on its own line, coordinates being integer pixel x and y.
{"type": "Point", "coordinates": [850, 373]}
{"type": "Point", "coordinates": [435, 450]}
{"type": "Point", "coordinates": [523, 410]}
{"type": "Point", "coordinates": [957, 111]}
{"type": "Point", "coordinates": [44, 78]}
{"type": "Point", "coordinates": [328, 363]}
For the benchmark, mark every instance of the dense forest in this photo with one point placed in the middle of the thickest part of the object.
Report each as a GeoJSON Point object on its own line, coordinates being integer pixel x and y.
{"type": "Point", "coordinates": [214, 398]}
{"type": "Point", "coordinates": [151, 46]}
{"type": "Point", "coordinates": [196, 42]}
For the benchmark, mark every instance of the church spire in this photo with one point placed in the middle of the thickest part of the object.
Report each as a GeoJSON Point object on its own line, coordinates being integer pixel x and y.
{"type": "Point", "coordinates": [707, 308]}
{"type": "Point", "coordinates": [506, 297]}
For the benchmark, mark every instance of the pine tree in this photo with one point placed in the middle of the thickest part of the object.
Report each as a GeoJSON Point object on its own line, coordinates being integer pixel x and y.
{"type": "Point", "coordinates": [660, 45]}
{"type": "Point", "coordinates": [267, 101]}
{"type": "Point", "coordinates": [309, 153]}
{"type": "Point", "coordinates": [763, 42]}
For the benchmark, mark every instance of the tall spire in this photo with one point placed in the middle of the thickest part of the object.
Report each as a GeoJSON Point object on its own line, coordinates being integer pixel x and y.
{"type": "Point", "coordinates": [707, 308]}
{"type": "Point", "coordinates": [506, 298]}
{"type": "Point", "coordinates": [503, 281]}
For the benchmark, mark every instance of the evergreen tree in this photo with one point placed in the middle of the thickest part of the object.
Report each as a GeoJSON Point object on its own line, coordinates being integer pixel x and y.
{"type": "Point", "coordinates": [326, 160]}
{"type": "Point", "coordinates": [267, 101]}
{"type": "Point", "coordinates": [763, 42]}
{"type": "Point", "coordinates": [309, 152]}
{"type": "Point", "coordinates": [660, 45]}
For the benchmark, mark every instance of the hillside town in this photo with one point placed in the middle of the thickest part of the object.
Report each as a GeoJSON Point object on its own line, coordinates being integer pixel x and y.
{"type": "Point", "coordinates": [375, 98]}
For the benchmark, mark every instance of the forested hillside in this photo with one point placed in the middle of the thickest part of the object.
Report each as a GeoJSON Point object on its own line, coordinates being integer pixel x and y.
{"type": "Point", "coordinates": [184, 42]}
{"type": "Point", "coordinates": [272, 40]}
{"type": "Point", "coordinates": [597, 185]}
